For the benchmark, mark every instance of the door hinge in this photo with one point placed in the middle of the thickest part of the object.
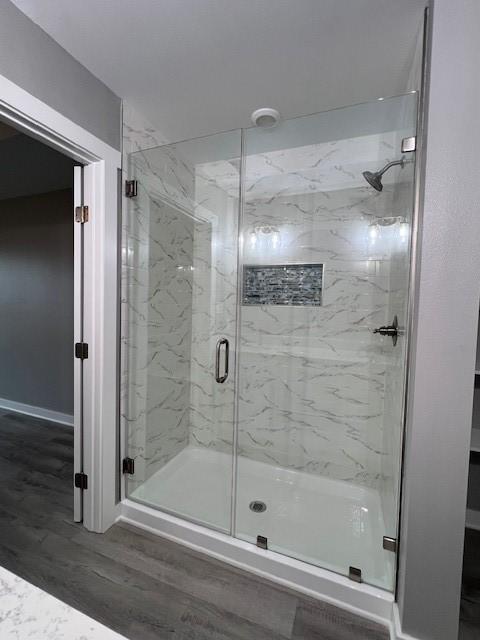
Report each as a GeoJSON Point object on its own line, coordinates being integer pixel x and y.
{"type": "Point", "coordinates": [81, 213]}
{"type": "Point", "coordinates": [355, 574]}
{"type": "Point", "coordinates": [409, 144]}
{"type": "Point", "coordinates": [81, 480]}
{"type": "Point", "coordinates": [131, 188]}
{"type": "Point", "coordinates": [262, 542]}
{"type": "Point", "coordinates": [390, 544]}
{"type": "Point", "coordinates": [81, 350]}
{"type": "Point", "coordinates": [128, 466]}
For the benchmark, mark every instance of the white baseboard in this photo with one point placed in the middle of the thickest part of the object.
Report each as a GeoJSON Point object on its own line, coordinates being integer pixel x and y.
{"type": "Point", "coordinates": [37, 412]}
{"type": "Point", "coordinates": [396, 627]}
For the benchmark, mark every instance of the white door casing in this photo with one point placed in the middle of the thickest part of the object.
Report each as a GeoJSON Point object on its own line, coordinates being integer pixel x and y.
{"type": "Point", "coordinates": [77, 337]}
{"type": "Point", "coordinates": [100, 402]}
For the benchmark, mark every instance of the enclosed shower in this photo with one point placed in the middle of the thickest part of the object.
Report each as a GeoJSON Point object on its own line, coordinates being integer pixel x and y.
{"type": "Point", "coordinates": [265, 294]}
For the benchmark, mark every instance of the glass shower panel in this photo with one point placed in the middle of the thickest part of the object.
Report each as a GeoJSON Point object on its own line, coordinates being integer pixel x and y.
{"type": "Point", "coordinates": [180, 292]}
{"type": "Point", "coordinates": [324, 262]}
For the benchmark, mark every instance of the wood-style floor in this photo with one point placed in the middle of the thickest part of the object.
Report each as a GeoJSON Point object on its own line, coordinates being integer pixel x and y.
{"type": "Point", "coordinates": [142, 586]}
{"type": "Point", "coordinates": [470, 603]}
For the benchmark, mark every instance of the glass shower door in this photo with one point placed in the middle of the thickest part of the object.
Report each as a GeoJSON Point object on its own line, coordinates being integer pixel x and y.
{"type": "Point", "coordinates": [180, 273]}
{"type": "Point", "coordinates": [324, 263]}
{"type": "Point", "coordinates": [266, 400]}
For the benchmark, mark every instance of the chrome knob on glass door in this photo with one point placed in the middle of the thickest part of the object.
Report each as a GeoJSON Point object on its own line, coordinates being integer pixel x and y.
{"type": "Point", "coordinates": [223, 342]}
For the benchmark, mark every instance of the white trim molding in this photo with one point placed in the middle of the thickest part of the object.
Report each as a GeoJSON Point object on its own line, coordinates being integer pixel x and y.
{"type": "Point", "coordinates": [445, 321]}
{"type": "Point", "coordinates": [396, 628]}
{"type": "Point", "coordinates": [37, 119]}
{"type": "Point", "coordinates": [37, 412]}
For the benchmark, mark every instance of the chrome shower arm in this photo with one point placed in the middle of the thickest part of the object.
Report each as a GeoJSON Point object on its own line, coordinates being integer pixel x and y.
{"type": "Point", "coordinates": [394, 163]}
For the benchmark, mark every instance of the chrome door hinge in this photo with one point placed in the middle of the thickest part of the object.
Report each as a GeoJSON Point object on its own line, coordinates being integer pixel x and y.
{"type": "Point", "coordinates": [81, 350]}
{"type": "Point", "coordinates": [81, 214]}
{"type": "Point", "coordinates": [131, 188]}
{"type": "Point", "coordinates": [81, 481]}
{"type": "Point", "coordinates": [409, 144]}
{"type": "Point", "coordinates": [262, 542]}
{"type": "Point", "coordinates": [128, 466]}
{"type": "Point", "coordinates": [390, 544]}
{"type": "Point", "coordinates": [355, 574]}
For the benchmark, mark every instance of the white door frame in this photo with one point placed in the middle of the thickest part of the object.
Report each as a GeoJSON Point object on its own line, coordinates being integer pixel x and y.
{"type": "Point", "coordinates": [32, 116]}
{"type": "Point", "coordinates": [77, 337]}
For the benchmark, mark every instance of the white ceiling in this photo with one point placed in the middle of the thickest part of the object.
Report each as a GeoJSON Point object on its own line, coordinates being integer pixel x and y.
{"type": "Point", "coordinates": [194, 67]}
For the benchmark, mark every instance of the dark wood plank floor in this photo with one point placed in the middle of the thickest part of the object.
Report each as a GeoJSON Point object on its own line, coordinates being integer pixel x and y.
{"type": "Point", "coordinates": [470, 603]}
{"type": "Point", "coordinates": [140, 585]}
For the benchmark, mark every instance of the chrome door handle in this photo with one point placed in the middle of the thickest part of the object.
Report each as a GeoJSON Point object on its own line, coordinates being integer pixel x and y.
{"type": "Point", "coordinates": [222, 342]}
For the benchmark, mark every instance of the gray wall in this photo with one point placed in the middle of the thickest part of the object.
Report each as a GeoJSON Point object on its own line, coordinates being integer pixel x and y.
{"type": "Point", "coordinates": [440, 398]}
{"type": "Point", "coordinates": [36, 300]}
{"type": "Point", "coordinates": [29, 167]}
{"type": "Point", "coordinates": [33, 60]}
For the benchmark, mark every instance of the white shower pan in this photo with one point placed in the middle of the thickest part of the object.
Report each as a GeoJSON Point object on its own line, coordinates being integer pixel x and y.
{"type": "Point", "coordinates": [318, 517]}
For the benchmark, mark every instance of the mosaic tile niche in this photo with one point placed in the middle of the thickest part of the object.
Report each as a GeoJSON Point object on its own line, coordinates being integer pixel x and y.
{"type": "Point", "coordinates": [283, 284]}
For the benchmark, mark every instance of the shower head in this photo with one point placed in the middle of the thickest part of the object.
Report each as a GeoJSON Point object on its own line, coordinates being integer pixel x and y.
{"type": "Point", "coordinates": [375, 179]}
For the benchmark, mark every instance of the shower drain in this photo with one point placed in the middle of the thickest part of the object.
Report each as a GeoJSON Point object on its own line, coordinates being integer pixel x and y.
{"type": "Point", "coordinates": [257, 506]}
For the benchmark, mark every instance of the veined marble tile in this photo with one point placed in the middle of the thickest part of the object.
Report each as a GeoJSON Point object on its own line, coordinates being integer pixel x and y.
{"type": "Point", "coordinates": [317, 391]}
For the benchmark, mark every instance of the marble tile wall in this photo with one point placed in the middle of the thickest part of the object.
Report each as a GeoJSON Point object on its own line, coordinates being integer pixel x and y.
{"type": "Point", "coordinates": [138, 134]}
{"type": "Point", "coordinates": [311, 386]}
{"type": "Point", "coordinates": [214, 312]}
{"type": "Point", "coordinates": [311, 380]}
{"type": "Point", "coordinates": [179, 265]}
{"type": "Point", "coordinates": [169, 333]}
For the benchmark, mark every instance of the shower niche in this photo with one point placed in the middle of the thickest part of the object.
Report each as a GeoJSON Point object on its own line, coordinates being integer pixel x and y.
{"type": "Point", "coordinates": [267, 246]}
{"type": "Point", "coordinates": [283, 284]}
